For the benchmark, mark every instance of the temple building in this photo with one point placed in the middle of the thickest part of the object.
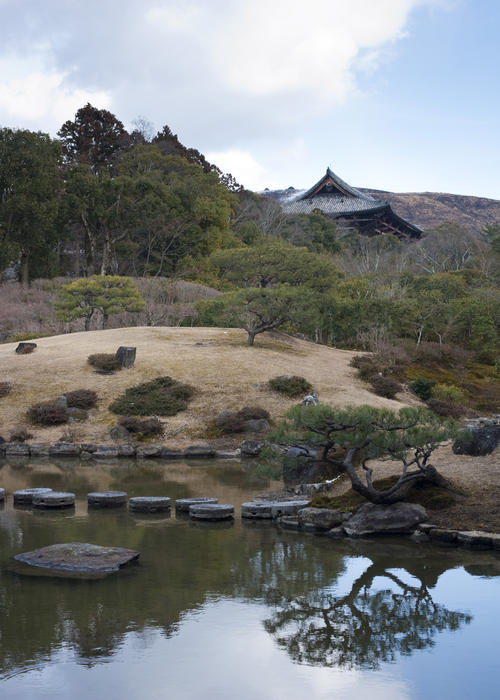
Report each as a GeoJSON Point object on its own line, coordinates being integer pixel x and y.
{"type": "Point", "coordinates": [349, 207]}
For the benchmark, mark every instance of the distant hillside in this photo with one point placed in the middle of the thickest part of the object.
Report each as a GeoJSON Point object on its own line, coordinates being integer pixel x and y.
{"type": "Point", "coordinates": [429, 209]}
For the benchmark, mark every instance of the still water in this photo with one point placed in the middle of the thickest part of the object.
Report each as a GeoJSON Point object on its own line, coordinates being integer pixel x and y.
{"type": "Point", "coordinates": [235, 611]}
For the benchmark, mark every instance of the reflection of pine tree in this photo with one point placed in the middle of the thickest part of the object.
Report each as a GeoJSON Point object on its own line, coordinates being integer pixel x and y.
{"type": "Point", "coordinates": [363, 628]}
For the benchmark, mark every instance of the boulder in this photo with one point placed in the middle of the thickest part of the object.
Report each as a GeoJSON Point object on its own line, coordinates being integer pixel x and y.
{"type": "Point", "coordinates": [320, 518]}
{"type": "Point", "coordinates": [393, 519]}
{"type": "Point", "coordinates": [61, 402]}
{"type": "Point", "coordinates": [126, 451]}
{"type": "Point", "coordinates": [2, 495]}
{"type": "Point", "coordinates": [64, 449]}
{"type": "Point", "coordinates": [480, 440]}
{"type": "Point", "coordinates": [251, 448]}
{"type": "Point", "coordinates": [88, 447]}
{"type": "Point", "coordinates": [119, 433]}
{"type": "Point", "coordinates": [39, 450]}
{"type": "Point", "coordinates": [76, 414]}
{"type": "Point", "coordinates": [310, 400]}
{"type": "Point", "coordinates": [221, 418]}
{"type": "Point", "coordinates": [125, 356]}
{"type": "Point", "coordinates": [17, 449]}
{"type": "Point", "coordinates": [149, 451]}
{"type": "Point", "coordinates": [25, 348]}
{"type": "Point", "coordinates": [257, 425]}
{"type": "Point", "coordinates": [167, 453]}
{"type": "Point", "coordinates": [105, 452]}
{"type": "Point", "coordinates": [199, 451]}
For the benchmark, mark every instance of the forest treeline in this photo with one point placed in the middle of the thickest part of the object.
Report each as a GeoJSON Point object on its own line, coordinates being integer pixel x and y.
{"type": "Point", "coordinates": [101, 200]}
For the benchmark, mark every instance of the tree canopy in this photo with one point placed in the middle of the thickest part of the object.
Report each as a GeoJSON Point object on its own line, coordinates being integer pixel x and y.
{"type": "Point", "coordinates": [106, 294]}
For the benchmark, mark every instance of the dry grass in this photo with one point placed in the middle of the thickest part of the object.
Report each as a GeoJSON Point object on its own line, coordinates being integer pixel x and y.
{"type": "Point", "coordinates": [226, 372]}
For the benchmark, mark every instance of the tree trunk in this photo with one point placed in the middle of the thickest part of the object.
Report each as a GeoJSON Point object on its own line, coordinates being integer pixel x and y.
{"type": "Point", "coordinates": [24, 275]}
{"type": "Point", "coordinates": [251, 338]}
{"type": "Point", "coordinates": [105, 319]}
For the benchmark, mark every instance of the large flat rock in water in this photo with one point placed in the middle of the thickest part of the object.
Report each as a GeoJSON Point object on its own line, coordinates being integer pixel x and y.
{"type": "Point", "coordinates": [79, 557]}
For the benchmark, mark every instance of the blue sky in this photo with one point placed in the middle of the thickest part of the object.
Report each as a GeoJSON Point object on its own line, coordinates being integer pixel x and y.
{"type": "Point", "coordinates": [392, 94]}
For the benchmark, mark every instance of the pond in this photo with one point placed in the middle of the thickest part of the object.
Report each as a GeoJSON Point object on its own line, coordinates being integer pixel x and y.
{"type": "Point", "coordinates": [235, 610]}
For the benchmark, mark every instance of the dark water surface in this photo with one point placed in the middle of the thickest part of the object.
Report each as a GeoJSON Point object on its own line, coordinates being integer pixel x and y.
{"type": "Point", "coordinates": [240, 611]}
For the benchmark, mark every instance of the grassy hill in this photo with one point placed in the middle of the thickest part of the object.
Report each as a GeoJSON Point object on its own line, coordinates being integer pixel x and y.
{"type": "Point", "coordinates": [225, 371]}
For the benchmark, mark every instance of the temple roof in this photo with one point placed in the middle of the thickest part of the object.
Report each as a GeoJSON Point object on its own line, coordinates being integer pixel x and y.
{"type": "Point", "coordinates": [337, 199]}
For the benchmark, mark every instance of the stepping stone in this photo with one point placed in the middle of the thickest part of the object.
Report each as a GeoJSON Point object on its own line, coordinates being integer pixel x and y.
{"type": "Point", "coordinates": [53, 499]}
{"type": "Point", "coordinates": [182, 505]}
{"type": "Point", "coordinates": [256, 510]}
{"type": "Point", "coordinates": [211, 511]}
{"type": "Point", "coordinates": [287, 507]}
{"type": "Point", "coordinates": [25, 496]}
{"type": "Point", "coordinates": [79, 557]}
{"type": "Point", "coordinates": [2, 495]}
{"type": "Point", "coordinates": [149, 504]}
{"type": "Point", "coordinates": [106, 499]}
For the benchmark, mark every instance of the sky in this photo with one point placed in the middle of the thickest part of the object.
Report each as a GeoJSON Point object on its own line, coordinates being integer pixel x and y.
{"type": "Point", "coordinates": [401, 95]}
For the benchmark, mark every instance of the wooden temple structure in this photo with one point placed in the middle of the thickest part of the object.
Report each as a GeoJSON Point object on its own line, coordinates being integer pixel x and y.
{"type": "Point", "coordinates": [348, 206]}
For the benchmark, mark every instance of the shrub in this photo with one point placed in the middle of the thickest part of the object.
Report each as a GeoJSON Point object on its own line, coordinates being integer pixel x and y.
{"type": "Point", "coordinates": [81, 398]}
{"type": "Point", "coordinates": [422, 387]}
{"type": "Point", "coordinates": [105, 361]}
{"type": "Point", "coordinates": [443, 408]}
{"type": "Point", "coordinates": [383, 386]}
{"type": "Point", "coordinates": [448, 392]}
{"type": "Point", "coordinates": [254, 413]}
{"type": "Point", "coordinates": [149, 427]}
{"type": "Point", "coordinates": [291, 385]}
{"type": "Point", "coordinates": [5, 388]}
{"type": "Point", "coordinates": [47, 414]}
{"type": "Point", "coordinates": [20, 435]}
{"type": "Point", "coordinates": [231, 422]}
{"type": "Point", "coordinates": [162, 396]}
{"type": "Point", "coordinates": [365, 365]}
{"type": "Point", "coordinates": [22, 337]}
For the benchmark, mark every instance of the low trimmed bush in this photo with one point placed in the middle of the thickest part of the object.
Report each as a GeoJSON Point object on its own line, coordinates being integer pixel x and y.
{"type": "Point", "coordinates": [162, 396]}
{"type": "Point", "coordinates": [383, 386]}
{"type": "Point", "coordinates": [104, 361]}
{"type": "Point", "coordinates": [20, 435]}
{"type": "Point", "coordinates": [81, 398]}
{"type": "Point", "coordinates": [422, 387]}
{"type": "Point", "coordinates": [47, 414]}
{"type": "Point", "coordinates": [5, 389]}
{"type": "Point", "coordinates": [444, 408]}
{"type": "Point", "coordinates": [231, 423]}
{"type": "Point", "coordinates": [149, 427]}
{"type": "Point", "coordinates": [254, 413]}
{"type": "Point", "coordinates": [291, 385]}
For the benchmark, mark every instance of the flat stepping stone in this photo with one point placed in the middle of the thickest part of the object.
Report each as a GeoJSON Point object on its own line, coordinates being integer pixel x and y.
{"type": "Point", "coordinates": [149, 504]}
{"type": "Point", "coordinates": [79, 557]}
{"type": "Point", "coordinates": [211, 511]}
{"type": "Point", "coordinates": [182, 505]}
{"type": "Point", "coordinates": [53, 499]}
{"type": "Point", "coordinates": [256, 510]}
{"type": "Point", "coordinates": [25, 496]}
{"type": "Point", "coordinates": [2, 494]}
{"type": "Point", "coordinates": [279, 508]}
{"type": "Point", "coordinates": [106, 499]}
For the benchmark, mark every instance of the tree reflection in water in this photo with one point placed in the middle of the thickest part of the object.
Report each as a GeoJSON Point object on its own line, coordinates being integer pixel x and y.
{"type": "Point", "coordinates": [365, 627]}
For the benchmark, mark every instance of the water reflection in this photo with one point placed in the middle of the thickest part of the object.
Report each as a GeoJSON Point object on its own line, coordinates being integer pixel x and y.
{"type": "Point", "coordinates": [366, 626]}
{"type": "Point", "coordinates": [345, 605]}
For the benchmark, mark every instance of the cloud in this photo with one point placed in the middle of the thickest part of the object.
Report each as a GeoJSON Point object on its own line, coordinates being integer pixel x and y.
{"type": "Point", "coordinates": [41, 98]}
{"type": "Point", "coordinates": [244, 167]}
